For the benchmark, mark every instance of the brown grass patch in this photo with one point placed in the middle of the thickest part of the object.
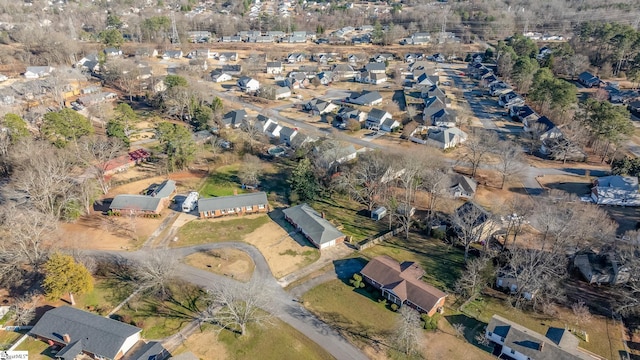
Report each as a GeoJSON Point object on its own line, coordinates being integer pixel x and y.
{"type": "Point", "coordinates": [228, 262]}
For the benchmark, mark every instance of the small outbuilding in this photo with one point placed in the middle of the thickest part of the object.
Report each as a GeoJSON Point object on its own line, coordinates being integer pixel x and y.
{"type": "Point", "coordinates": [379, 213]}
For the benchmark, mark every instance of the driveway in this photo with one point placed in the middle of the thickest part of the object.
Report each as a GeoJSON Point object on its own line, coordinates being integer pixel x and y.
{"type": "Point", "coordinates": [283, 305]}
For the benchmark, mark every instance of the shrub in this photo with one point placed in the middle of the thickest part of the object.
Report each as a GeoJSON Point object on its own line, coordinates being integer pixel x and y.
{"type": "Point", "coordinates": [357, 282]}
{"type": "Point", "coordinates": [394, 307]}
{"type": "Point", "coordinates": [437, 234]}
{"type": "Point", "coordinates": [430, 322]}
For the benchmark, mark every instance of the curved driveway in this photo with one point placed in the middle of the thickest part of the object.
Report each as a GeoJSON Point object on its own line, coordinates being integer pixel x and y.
{"type": "Point", "coordinates": [283, 306]}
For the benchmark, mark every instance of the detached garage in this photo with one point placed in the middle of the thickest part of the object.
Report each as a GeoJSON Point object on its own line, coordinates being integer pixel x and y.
{"type": "Point", "coordinates": [313, 226]}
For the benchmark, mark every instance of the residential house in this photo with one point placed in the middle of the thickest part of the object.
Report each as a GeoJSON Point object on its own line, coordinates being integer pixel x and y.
{"type": "Point", "coordinates": [235, 69]}
{"type": "Point", "coordinates": [542, 128]}
{"type": "Point", "coordinates": [376, 68]}
{"type": "Point", "coordinates": [634, 107]}
{"type": "Point", "coordinates": [282, 92]}
{"type": "Point", "coordinates": [401, 284]}
{"type": "Point", "coordinates": [295, 39]}
{"type": "Point", "coordinates": [219, 76]}
{"type": "Point", "coordinates": [146, 52]}
{"type": "Point", "coordinates": [561, 148]}
{"type": "Point", "coordinates": [228, 56]}
{"type": "Point", "coordinates": [518, 342]}
{"type": "Point", "coordinates": [498, 88]}
{"type": "Point", "coordinates": [323, 58]}
{"type": "Point", "coordinates": [370, 98]}
{"type": "Point", "coordinates": [510, 99]}
{"type": "Point", "coordinates": [296, 80]}
{"type": "Point", "coordinates": [488, 80]}
{"type": "Point", "coordinates": [347, 113]}
{"type": "Point", "coordinates": [276, 34]}
{"type": "Point", "coordinates": [376, 118]}
{"type": "Point", "coordinates": [482, 225]}
{"type": "Point", "coordinates": [34, 72]}
{"type": "Point", "coordinates": [361, 39]}
{"type": "Point", "coordinates": [231, 39]}
{"type": "Point", "coordinates": [234, 118]}
{"type": "Point", "coordinates": [382, 57]}
{"type": "Point", "coordinates": [413, 57]}
{"type": "Point", "coordinates": [274, 67]}
{"type": "Point", "coordinates": [309, 71]}
{"type": "Point", "coordinates": [326, 77]}
{"type": "Point", "coordinates": [353, 59]}
{"type": "Point", "coordinates": [138, 204]}
{"type": "Point", "coordinates": [419, 38]}
{"type": "Point", "coordinates": [287, 134]}
{"type": "Point", "coordinates": [248, 84]}
{"type": "Point", "coordinates": [318, 230]}
{"type": "Point", "coordinates": [507, 281]}
{"type": "Point", "coordinates": [89, 63]}
{"type": "Point", "coordinates": [543, 53]}
{"type": "Point", "coordinates": [96, 98]}
{"type": "Point", "coordinates": [332, 154]}
{"type": "Point", "coordinates": [80, 333]}
{"type": "Point", "coordinates": [462, 187]}
{"type": "Point", "coordinates": [125, 162]}
{"type": "Point", "coordinates": [112, 52]}
{"type": "Point", "coordinates": [617, 96]}
{"type": "Point", "coordinates": [435, 113]}
{"type": "Point", "coordinates": [589, 80]}
{"type": "Point", "coordinates": [300, 140]}
{"type": "Point", "coordinates": [343, 71]}
{"type": "Point", "coordinates": [198, 36]}
{"type": "Point", "coordinates": [616, 190]}
{"type": "Point", "coordinates": [371, 78]}
{"type": "Point", "coordinates": [424, 79]}
{"type": "Point", "coordinates": [523, 114]}
{"type": "Point", "coordinates": [172, 54]}
{"type": "Point", "coordinates": [251, 203]}
{"type": "Point", "coordinates": [319, 107]}
{"type": "Point", "coordinates": [603, 268]}
{"type": "Point", "coordinates": [268, 126]}
{"type": "Point", "coordinates": [296, 57]}
{"type": "Point", "coordinates": [445, 138]}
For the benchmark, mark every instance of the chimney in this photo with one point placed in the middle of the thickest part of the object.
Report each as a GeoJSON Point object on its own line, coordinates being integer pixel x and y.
{"type": "Point", "coordinates": [66, 338]}
{"type": "Point", "coordinates": [541, 346]}
{"type": "Point", "coordinates": [322, 215]}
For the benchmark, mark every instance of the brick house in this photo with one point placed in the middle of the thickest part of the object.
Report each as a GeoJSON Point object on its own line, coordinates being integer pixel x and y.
{"type": "Point", "coordinates": [401, 284]}
{"type": "Point", "coordinates": [251, 203]}
{"type": "Point", "coordinates": [318, 230]}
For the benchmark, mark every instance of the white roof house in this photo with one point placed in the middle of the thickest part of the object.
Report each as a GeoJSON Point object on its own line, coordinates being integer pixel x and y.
{"type": "Point", "coordinates": [616, 190]}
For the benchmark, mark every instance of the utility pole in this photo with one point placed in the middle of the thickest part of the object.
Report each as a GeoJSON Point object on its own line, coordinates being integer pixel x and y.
{"type": "Point", "coordinates": [443, 29]}
{"type": "Point", "coordinates": [175, 38]}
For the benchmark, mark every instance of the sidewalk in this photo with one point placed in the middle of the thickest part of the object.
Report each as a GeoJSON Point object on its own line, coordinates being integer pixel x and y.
{"type": "Point", "coordinates": [327, 256]}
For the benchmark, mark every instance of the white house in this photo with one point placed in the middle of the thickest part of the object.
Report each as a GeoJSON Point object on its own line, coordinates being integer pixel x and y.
{"type": "Point", "coordinates": [616, 190]}
{"type": "Point", "coordinates": [376, 118]}
{"type": "Point", "coordinates": [248, 84]}
{"type": "Point", "coordinates": [445, 138]}
{"type": "Point", "coordinates": [218, 77]}
{"type": "Point", "coordinates": [282, 92]}
{"type": "Point", "coordinates": [34, 72]}
{"type": "Point", "coordinates": [274, 67]}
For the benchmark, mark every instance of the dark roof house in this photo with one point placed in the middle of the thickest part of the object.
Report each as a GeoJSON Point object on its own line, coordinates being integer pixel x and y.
{"type": "Point", "coordinates": [234, 118]}
{"type": "Point", "coordinates": [83, 332]}
{"type": "Point", "coordinates": [313, 226]}
{"type": "Point", "coordinates": [401, 284]}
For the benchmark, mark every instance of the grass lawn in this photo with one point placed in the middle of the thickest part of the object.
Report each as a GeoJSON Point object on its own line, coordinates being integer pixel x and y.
{"type": "Point", "coordinates": [106, 294]}
{"type": "Point", "coordinates": [219, 230]}
{"type": "Point", "coordinates": [353, 216]}
{"type": "Point", "coordinates": [355, 313]}
{"type": "Point", "coordinates": [277, 342]}
{"type": "Point", "coordinates": [161, 318]}
{"type": "Point", "coordinates": [222, 182]}
{"type": "Point", "coordinates": [575, 185]}
{"type": "Point", "coordinates": [441, 262]}
{"type": "Point", "coordinates": [605, 335]}
{"type": "Point", "coordinates": [228, 262]}
{"type": "Point", "coordinates": [38, 350]}
{"type": "Point", "coordinates": [7, 338]}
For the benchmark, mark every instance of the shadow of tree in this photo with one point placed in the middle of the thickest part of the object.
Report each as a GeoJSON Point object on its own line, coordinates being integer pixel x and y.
{"type": "Point", "coordinates": [472, 328]}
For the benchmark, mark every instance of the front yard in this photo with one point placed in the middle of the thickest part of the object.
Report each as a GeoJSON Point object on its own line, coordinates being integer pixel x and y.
{"type": "Point", "coordinates": [218, 230]}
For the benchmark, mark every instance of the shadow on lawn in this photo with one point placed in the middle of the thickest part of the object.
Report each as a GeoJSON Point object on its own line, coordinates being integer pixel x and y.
{"type": "Point", "coordinates": [277, 216]}
{"type": "Point", "coordinates": [472, 328]}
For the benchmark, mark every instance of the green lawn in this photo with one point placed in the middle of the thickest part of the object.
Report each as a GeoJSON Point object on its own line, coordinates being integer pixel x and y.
{"type": "Point", "coordinates": [276, 342]}
{"type": "Point", "coordinates": [352, 216]}
{"type": "Point", "coordinates": [221, 230]}
{"type": "Point", "coordinates": [7, 338]}
{"type": "Point", "coordinates": [38, 350]}
{"type": "Point", "coordinates": [355, 313]}
{"type": "Point", "coordinates": [222, 182]}
{"type": "Point", "coordinates": [442, 263]}
{"type": "Point", "coordinates": [161, 318]}
{"type": "Point", "coordinates": [106, 294]}
{"type": "Point", "coordinates": [605, 336]}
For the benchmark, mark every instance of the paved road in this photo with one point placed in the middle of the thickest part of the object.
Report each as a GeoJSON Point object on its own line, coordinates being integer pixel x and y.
{"type": "Point", "coordinates": [284, 306]}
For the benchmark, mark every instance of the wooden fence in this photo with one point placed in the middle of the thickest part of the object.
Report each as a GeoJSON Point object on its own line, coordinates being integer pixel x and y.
{"type": "Point", "coordinates": [367, 243]}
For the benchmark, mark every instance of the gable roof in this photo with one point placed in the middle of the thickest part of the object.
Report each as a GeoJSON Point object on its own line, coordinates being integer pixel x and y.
{"type": "Point", "coordinates": [447, 135]}
{"type": "Point", "coordinates": [377, 114]}
{"type": "Point", "coordinates": [404, 280]}
{"type": "Point", "coordinates": [318, 229]}
{"type": "Point", "coordinates": [98, 335]}
{"type": "Point", "coordinates": [366, 98]}
{"type": "Point", "coordinates": [232, 202]}
{"type": "Point", "coordinates": [135, 202]}
{"type": "Point", "coordinates": [375, 66]}
{"type": "Point", "coordinates": [165, 189]}
{"type": "Point", "coordinates": [469, 206]}
{"type": "Point", "coordinates": [558, 344]}
{"type": "Point", "coordinates": [466, 183]}
{"type": "Point", "coordinates": [234, 117]}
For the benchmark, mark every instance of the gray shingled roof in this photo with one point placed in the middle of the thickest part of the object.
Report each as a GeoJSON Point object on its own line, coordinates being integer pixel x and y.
{"type": "Point", "coordinates": [165, 189]}
{"type": "Point", "coordinates": [366, 98]}
{"type": "Point", "coordinates": [135, 202]}
{"type": "Point", "coordinates": [146, 351]}
{"type": "Point", "coordinates": [312, 224]}
{"type": "Point", "coordinates": [232, 202]}
{"type": "Point", "coordinates": [98, 335]}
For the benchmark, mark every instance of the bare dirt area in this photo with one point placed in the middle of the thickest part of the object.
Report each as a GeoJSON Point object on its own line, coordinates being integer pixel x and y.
{"type": "Point", "coordinates": [442, 344]}
{"type": "Point", "coordinates": [283, 253]}
{"type": "Point", "coordinates": [233, 263]}
{"type": "Point", "coordinates": [575, 185]}
{"type": "Point", "coordinates": [185, 181]}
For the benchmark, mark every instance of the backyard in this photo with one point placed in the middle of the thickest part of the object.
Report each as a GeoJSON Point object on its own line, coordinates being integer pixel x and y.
{"type": "Point", "coordinates": [277, 341]}
{"type": "Point", "coordinates": [353, 216]}
{"type": "Point", "coordinates": [222, 182]}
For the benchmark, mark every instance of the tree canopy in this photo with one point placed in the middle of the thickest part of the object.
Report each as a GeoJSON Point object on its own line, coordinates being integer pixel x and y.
{"type": "Point", "coordinates": [16, 127]}
{"type": "Point", "coordinates": [112, 37]}
{"type": "Point", "coordinates": [174, 80]}
{"type": "Point", "coordinates": [303, 181]}
{"type": "Point", "coordinates": [552, 93]}
{"type": "Point", "coordinates": [177, 143]}
{"type": "Point", "coordinates": [65, 125]}
{"type": "Point", "coordinates": [64, 275]}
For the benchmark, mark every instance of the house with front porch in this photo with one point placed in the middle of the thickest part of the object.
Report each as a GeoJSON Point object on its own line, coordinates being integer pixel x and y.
{"type": "Point", "coordinates": [401, 284]}
{"type": "Point", "coordinates": [252, 203]}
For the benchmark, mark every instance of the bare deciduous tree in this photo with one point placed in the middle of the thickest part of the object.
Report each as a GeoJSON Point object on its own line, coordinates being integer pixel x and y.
{"type": "Point", "coordinates": [408, 333]}
{"type": "Point", "coordinates": [510, 162]}
{"type": "Point", "coordinates": [98, 153]}
{"type": "Point", "coordinates": [28, 231]}
{"type": "Point", "coordinates": [24, 309]}
{"type": "Point", "coordinates": [476, 276]}
{"type": "Point", "coordinates": [234, 306]}
{"type": "Point", "coordinates": [477, 147]}
{"type": "Point", "coordinates": [365, 182]}
{"type": "Point", "coordinates": [251, 170]}
{"type": "Point", "coordinates": [581, 313]}
{"type": "Point", "coordinates": [156, 270]}
{"type": "Point", "coordinates": [470, 223]}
